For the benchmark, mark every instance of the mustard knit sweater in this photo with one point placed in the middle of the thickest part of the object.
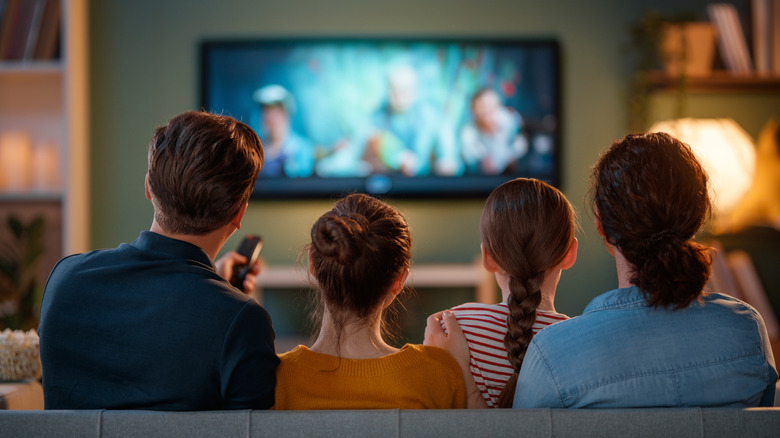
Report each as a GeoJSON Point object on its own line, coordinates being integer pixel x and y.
{"type": "Point", "coordinates": [417, 377]}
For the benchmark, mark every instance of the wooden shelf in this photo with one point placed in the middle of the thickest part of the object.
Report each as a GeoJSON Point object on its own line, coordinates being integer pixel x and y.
{"type": "Point", "coordinates": [30, 197]}
{"type": "Point", "coordinates": [10, 68]}
{"type": "Point", "coordinates": [717, 81]}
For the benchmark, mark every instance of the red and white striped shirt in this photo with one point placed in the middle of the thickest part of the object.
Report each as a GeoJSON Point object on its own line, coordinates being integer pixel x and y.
{"type": "Point", "coordinates": [485, 326]}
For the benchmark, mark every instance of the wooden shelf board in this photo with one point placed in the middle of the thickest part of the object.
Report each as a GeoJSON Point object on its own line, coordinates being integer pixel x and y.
{"type": "Point", "coordinates": [717, 81]}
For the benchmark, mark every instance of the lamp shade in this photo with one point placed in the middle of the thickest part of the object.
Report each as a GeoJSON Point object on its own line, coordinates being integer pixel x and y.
{"type": "Point", "coordinates": [725, 151]}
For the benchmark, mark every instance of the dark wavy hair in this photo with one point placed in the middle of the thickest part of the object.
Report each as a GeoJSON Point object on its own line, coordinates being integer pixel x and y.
{"type": "Point", "coordinates": [357, 250]}
{"type": "Point", "coordinates": [650, 193]}
{"type": "Point", "coordinates": [202, 169]}
{"type": "Point", "coordinates": [527, 227]}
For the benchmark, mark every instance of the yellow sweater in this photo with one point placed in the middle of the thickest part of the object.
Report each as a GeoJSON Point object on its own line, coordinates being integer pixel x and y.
{"type": "Point", "coordinates": [417, 377]}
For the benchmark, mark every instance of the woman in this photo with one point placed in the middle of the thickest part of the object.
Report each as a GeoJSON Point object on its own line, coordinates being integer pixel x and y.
{"type": "Point", "coordinates": [359, 257]}
{"type": "Point", "coordinates": [658, 340]}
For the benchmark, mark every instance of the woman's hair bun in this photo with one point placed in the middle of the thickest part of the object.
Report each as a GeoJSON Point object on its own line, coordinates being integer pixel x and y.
{"type": "Point", "coordinates": [342, 238]}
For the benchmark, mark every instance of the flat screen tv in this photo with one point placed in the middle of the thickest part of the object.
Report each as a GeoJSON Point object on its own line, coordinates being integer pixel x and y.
{"type": "Point", "coordinates": [390, 116]}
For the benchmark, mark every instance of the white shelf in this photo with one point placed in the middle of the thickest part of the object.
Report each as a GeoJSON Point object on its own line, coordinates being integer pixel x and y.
{"type": "Point", "coordinates": [49, 100]}
{"type": "Point", "coordinates": [11, 68]}
{"type": "Point", "coordinates": [423, 275]}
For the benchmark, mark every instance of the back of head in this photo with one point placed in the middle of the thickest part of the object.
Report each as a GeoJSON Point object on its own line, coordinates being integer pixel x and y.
{"type": "Point", "coordinates": [527, 227]}
{"type": "Point", "coordinates": [650, 194]}
{"type": "Point", "coordinates": [202, 169]}
{"type": "Point", "coordinates": [358, 249]}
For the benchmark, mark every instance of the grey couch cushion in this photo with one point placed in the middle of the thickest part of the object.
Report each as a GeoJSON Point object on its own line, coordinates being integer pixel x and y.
{"type": "Point", "coordinates": [374, 423]}
{"type": "Point", "coordinates": [50, 424]}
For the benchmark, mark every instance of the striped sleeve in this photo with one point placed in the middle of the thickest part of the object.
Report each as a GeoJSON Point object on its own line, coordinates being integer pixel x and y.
{"type": "Point", "coordinates": [484, 326]}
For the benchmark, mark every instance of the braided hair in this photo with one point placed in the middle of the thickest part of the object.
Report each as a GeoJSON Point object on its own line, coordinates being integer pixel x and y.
{"type": "Point", "coordinates": [527, 227]}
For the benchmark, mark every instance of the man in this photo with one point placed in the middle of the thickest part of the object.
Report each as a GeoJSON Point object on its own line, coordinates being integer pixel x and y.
{"type": "Point", "coordinates": [152, 324]}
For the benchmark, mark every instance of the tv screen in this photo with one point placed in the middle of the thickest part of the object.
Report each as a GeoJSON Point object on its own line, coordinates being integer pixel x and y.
{"type": "Point", "coordinates": [397, 117]}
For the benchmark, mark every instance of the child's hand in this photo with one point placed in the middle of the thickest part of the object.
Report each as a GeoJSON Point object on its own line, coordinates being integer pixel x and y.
{"type": "Point", "coordinates": [449, 337]}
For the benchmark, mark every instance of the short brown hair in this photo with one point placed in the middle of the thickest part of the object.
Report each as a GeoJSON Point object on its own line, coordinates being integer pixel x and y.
{"type": "Point", "coordinates": [650, 194]}
{"type": "Point", "coordinates": [202, 169]}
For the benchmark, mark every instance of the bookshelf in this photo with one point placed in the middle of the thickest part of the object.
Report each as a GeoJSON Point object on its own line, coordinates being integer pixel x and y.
{"type": "Point", "coordinates": [48, 100]}
{"type": "Point", "coordinates": [719, 80]}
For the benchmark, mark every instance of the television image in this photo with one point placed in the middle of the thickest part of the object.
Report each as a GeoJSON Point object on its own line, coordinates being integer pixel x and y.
{"type": "Point", "coordinates": [399, 117]}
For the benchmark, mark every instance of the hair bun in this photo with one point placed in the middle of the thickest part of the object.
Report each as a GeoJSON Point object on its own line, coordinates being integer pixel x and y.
{"type": "Point", "coordinates": [342, 238]}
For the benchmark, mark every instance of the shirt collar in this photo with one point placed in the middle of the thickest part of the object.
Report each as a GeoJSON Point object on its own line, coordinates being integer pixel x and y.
{"type": "Point", "coordinates": [627, 297]}
{"type": "Point", "coordinates": [150, 241]}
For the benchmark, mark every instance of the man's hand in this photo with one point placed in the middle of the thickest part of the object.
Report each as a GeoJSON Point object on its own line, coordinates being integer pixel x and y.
{"type": "Point", "coordinates": [225, 266]}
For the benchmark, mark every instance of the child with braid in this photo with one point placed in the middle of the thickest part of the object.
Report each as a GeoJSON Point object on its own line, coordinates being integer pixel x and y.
{"type": "Point", "coordinates": [527, 231]}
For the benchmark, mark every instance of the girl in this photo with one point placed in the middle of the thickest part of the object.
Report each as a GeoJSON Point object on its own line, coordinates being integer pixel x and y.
{"type": "Point", "coordinates": [359, 257]}
{"type": "Point", "coordinates": [527, 231]}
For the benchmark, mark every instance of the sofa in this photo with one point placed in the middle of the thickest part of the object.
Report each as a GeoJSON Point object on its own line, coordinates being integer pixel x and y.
{"type": "Point", "coordinates": [633, 423]}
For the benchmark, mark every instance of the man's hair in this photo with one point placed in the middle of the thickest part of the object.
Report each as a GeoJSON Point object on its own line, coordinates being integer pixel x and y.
{"type": "Point", "coordinates": [202, 169]}
{"type": "Point", "coordinates": [650, 193]}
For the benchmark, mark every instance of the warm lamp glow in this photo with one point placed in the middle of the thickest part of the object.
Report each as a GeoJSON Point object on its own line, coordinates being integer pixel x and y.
{"type": "Point", "coordinates": [45, 167]}
{"type": "Point", "coordinates": [724, 149]}
{"type": "Point", "coordinates": [15, 161]}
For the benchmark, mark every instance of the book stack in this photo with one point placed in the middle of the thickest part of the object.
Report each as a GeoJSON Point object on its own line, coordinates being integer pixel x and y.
{"type": "Point", "coordinates": [29, 29]}
{"type": "Point", "coordinates": [733, 44]}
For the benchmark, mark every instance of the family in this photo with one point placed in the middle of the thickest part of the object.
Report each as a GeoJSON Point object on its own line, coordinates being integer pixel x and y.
{"type": "Point", "coordinates": [156, 324]}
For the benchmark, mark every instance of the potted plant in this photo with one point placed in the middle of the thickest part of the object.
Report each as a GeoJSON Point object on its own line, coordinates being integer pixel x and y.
{"type": "Point", "coordinates": [20, 292]}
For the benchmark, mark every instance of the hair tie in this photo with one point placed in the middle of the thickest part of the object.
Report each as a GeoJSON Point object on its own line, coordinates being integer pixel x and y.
{"type": "Point", "coordinates": [664, 236]}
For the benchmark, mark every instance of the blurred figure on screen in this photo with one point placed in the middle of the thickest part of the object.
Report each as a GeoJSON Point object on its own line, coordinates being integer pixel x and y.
{"type": "Point", "coordinates": [404, 129]}
{"type": "Point", "coordinates": [492, 141]}
{"type": "Point", "coordinates": [287, 152]}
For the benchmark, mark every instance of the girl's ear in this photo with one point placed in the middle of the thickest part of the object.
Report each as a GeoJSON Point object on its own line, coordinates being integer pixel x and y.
{"type": "Point", "coordinates": [487, 260]}
{"type": "Point", "coordinates": [398, 284]}
{"type": "Point", "coordinates": [571, 255]}
{"type": "Point", "coordinates": [308, 262]}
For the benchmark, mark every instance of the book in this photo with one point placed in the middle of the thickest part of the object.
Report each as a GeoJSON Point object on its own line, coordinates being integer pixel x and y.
{"type": "Point", "coordinates": [7, 26]}
{"type": "Point", "coordinates": [775, 36]}
{"type": "Point", "coordinates": [752, 290]}
{"type": "Point", "coordinates": [731, 37]}
{"type": "Point", "coordinates": [49, 34]}
{"type": "Point", "coordinates": [35, 25]}
{"type": "Point", "coordinates": [21, 29]}
{"type": "Point", "coordinates": [760, 12]}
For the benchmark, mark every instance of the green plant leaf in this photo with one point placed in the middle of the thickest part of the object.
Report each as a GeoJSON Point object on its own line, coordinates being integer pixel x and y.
{"type": "Point", "coordinates": [16, 227]}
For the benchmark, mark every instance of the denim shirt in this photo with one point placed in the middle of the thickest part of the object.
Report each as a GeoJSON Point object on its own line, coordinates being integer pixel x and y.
{"type": "Point", "coordinates": [620, 353]}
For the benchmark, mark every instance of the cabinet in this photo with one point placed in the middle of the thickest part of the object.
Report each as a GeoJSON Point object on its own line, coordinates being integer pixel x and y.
{"type": "Point", "coordinates": [49, 100]}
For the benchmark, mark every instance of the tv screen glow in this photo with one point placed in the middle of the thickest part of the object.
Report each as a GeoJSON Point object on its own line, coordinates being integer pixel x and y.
{"type": "Point", "coordinates": [401, 117]}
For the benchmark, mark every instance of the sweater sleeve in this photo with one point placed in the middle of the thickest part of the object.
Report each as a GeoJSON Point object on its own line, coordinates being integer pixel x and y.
{"type": "Point", "coordinates": [248, 361]}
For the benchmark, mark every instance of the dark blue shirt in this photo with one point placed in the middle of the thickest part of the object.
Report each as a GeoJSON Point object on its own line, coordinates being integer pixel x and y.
{"type": "Point", "coordinates": [151, 325]}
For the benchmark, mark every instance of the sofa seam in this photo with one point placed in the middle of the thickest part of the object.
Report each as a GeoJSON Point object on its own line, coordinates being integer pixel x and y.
{"type": "Point", "coordinates": [100, 423]}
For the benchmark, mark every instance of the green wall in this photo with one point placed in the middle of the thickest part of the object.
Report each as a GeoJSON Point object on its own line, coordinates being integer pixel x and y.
{"type": "Point", "coordinates": [144, 70]}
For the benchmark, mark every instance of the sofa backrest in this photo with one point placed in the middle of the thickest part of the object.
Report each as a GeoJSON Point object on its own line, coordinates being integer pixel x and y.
{"type": "Point", "coordinates": [634, 423]}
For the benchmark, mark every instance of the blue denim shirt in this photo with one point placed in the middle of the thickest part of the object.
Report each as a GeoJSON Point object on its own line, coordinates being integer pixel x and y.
{"type": "Point", "coordinates": [620, 353]}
